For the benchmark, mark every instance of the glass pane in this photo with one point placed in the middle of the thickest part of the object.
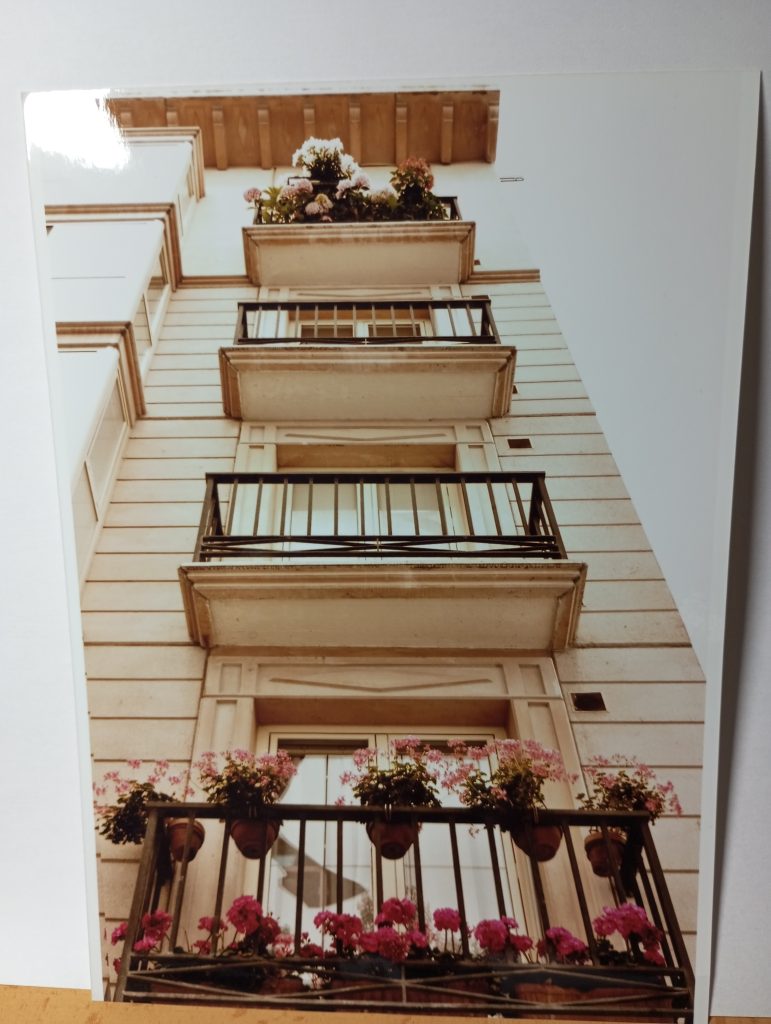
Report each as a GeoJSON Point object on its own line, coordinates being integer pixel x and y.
{"type": "Point", "coordinates": [318, 782]}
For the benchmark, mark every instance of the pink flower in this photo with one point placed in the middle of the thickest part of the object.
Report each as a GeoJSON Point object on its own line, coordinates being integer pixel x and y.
{"type": "Point", "coordinates": [495, 935]}
{"type": "Point", "coordinates": [392, 945]}
{"type": "Point", "coordinates": [491, 935]}
{"type": "Point", "coordinates": [145, 944]}
{"type": "Point", "coordinates": [312, 209]}
{"type": "Point", "coordinates": [116, 964]}
{"type": "Point", "coordinates": [245, 914]}
{"type": "Point", "coordinates": [158, 921]}
{"type": "Point", "coordinates": [202, 946]}
{"type": "Point", "coordinates": [447, 919]}
{"type": "Point", "coordinates": [395, 911]}
{"type": "Point", "coordinates": [119, 933]}
{"type": "Point", "coordinates": [283, 945]}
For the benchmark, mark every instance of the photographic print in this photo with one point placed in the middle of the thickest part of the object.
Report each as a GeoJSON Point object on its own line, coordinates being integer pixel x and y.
{"type": "Point", "coordinates": [391, 705]}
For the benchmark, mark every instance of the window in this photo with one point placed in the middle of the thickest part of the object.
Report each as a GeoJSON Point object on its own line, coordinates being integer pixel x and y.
{"type": "Point", "coordinates": [321, 760]}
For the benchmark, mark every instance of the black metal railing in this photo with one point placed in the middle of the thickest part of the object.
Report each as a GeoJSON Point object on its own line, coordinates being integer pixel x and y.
{"type": "Point", "coordinates": [378, 514]}
{"type": "Point", "coordinates": [441, 322]}
{"type": "Point", "coordinates": [628, 988]}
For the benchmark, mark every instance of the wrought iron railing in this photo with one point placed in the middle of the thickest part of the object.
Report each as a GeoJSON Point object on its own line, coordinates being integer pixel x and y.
{"type": "Point", "coordinates": [431, 982]}
{"type": "Point", "coordinates": [378, 515]}
{"type": "Point", "coordinates": [439, 322]}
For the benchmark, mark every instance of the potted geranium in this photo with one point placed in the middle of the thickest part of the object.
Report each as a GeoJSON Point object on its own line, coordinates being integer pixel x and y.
{"type": "Point", "coordinates": [409, 780]}
{"type": "Point", "coordinates": [412, 181]}
{"type": "Point", "coordinates": [515, 786]}
{"type": "Point", "coordinates": [621, 783]}
{"type": "Point", "coordinates": [247, 786]}
{"type": "Point", "coordinates": [120, 805]}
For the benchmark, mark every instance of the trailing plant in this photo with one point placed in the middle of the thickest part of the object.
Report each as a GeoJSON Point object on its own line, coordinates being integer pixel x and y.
{"type": "Point", "coordinates": [120, 803]}
{"type": "Point", "coordinates": [623, 783]}
{"type": "Point", "coordinates": [516, 783]}
{"type": "Point", "coordinates": [410, 780]}
{"type": "Point", "coordinates": [243, 783]}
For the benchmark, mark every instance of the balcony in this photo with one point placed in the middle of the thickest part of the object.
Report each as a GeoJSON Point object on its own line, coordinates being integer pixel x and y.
{"type": "Point", "coordinates": [389, 361]}
{"type": "Point", "coordinates": [475, 870]}
{"type": "Point", "coordinates": [381, 560]}
{"type": "Point", "coordinates": [361, 253]}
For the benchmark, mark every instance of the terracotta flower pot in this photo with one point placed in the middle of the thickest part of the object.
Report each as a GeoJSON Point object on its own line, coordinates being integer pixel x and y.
{"type": "Point", "coordinates": [540, 842]}
{"type": "Point", "coordinates": [176, 831]}
{"type": "Point", "coordinates": [598, 994]}
{"type": "Point", "coordinates": [602, 860]}
{"type": "Point", "coordinates": [253, 836]}
{"type": "Point", "coordinates": [394, 838]}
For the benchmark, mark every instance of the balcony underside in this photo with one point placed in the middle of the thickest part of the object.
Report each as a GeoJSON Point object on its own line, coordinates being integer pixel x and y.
{"type": "Point", "coordinates": [394, 382]}
{"type": "Point", "coordinates": [405, 253]}
{"type": "Point", "coordinates": [438, 606]}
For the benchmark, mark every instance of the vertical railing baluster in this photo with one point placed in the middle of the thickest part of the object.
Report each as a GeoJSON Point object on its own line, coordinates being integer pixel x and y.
{"type": "Point", "coordinates": [378, 874]}
{"type": "Point", "coordinates": [459, 889]}
{"type": "Point", "coordinates": [258, 505]}
{"type": "Point", "coordinates": [315, 321]}
{"type": "Point", "coordinates": [579, 886]}
{"type": "Point", "coordinates": [469, 317]}
{"type": "Point", "coordinates": [440, 505]}
{"type": "Point", "coordinates": [496, 869]}
{"type": "Point", "coordinates": [261, 873]}
{"type": "Point", "coordinates": [414, 332]}
{"type": "Point", "coordinates": [221, 880]}
{"type": "Point", "coordinates": [336, 509]}
{"type": "Point", "coordinates": [415, 517]}
{"type": "Point", "coordinates": [523, 519]}
{"type": "Point", "coordinates": [353, 323]}
{"type": "Point", "coordinates": [334, 319]}
{"type": "Point", "coordinates": [284, 488]}
{"type": "Point", "coordinates": [309, 519]}
{"type": "Point", "coordinates": [298, 917]}
{"type": "Point", "coordinates": [451, 317]}
{"type": "Point", "coordinates": [494, 507]}
{"type": "Point", "coordinates": [181, 882]}
{"type": "Point", "coordinates": [467, 508]}
{"type": "Point", "coordinates": [389, 524]}
{"type": "Point", "coordinates": [373, 332]}
{"type": "Point", "coordinates": [339, 875]}
{"type": "Point", "coordinates": [419, 882]}
{"type": "Point", "coordinates": [362, 521]}
{"type": "Point", "coordinates": [228, 531]}
{"type": "Point", "coordinates": [540, 895]}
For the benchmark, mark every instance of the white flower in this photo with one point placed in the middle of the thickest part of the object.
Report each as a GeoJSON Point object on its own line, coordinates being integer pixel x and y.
{"type": "Point", "coordinates": [312, 208]}
{"type": "Point", "coordinates": [323, 202]}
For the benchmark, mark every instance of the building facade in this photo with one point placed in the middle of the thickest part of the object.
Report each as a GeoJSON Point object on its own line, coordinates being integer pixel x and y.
{"type": "Point", "coordinates": [350, 491]}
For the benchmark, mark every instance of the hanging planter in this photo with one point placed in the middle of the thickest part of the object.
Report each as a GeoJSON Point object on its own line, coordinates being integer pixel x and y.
{"type": "Point", "coordinates": [176, 833]}
{"type": "Point", "coordinates": [253, 836]}
{"type": "Point", "coordinates": [541, 842]}
{"type": "Point", "coordinates": [392, 838]}
{"type": "Point", "coordinates": [605, 856]}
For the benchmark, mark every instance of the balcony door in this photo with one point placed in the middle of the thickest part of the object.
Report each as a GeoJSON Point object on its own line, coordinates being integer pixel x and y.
{"type": "Point", "coordinates": [320, 763]}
